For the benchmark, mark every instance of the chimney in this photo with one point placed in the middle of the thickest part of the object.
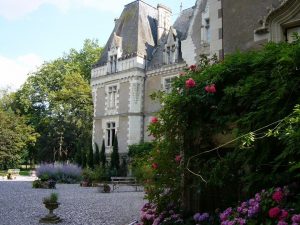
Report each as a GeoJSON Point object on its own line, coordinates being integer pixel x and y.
{"type": "Point", "coordinates": [164, 21]}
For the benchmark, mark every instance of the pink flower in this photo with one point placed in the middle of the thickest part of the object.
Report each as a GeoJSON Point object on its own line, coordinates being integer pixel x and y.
{"type": "Point", "coordinates": [190, 83]}
{"type": "Point", "coordinates": [193, 67]}
{"type": "Point", "coordinates": [277, 196]}
{"type": "Point", "coordinates": [282, 223]}
{"type": "Point", "coordinates": [296, 218]}
{"type": "Point", "coordinates": [210, 88]}
{"type": "Point", "coordinates": [274, 212]}
{"type": "Point", "coordinates": [283, 215]}
{"type": "Point", "coordinates": [154, 166]}
{"type": "Point", "coordinates": [154, 120]}
{"type": "Point", "coordinates": [178, 158]}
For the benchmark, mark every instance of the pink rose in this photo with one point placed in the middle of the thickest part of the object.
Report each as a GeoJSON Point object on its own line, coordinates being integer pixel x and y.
{"type": "Point", "coordinates": [178, 158]}
{"type": "Point", "coordinates": [284, 214]}
{"type": "Point", "coordinates": [190, 83]}
{"type": "Point", "coordinates": [154, 120]}
{"type": "Point", "coordinates": [274, 212]}
{"type": "Point", "coordinates": [154, 166]}
{"type": "Point", "coordinates": [210, 88]}
{"type": "Point", "coordinates": [277, 196]}
{"type": "Point", "coordinates": [193, 67]}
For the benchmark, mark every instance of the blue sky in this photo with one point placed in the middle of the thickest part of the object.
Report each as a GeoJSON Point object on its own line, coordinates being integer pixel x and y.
{"type": "Point", "coordinates": [33, 31]}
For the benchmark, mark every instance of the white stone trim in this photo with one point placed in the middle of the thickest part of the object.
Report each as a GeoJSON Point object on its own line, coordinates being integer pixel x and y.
{"type": "Point", "coordinates": [134, 131]}
{"type": "Point", "coordinates": [106, 120]}
{"type": "Point", "coordinates": [107, 110]}
{"type": "Point", "coordinates": [216, 44]}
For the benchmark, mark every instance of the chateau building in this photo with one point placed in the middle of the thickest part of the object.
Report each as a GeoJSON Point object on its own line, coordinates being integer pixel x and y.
{"type": "Point", "coordinates": [145, 51]}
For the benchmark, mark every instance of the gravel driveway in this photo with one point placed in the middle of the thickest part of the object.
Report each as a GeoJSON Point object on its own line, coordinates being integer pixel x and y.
{"type": "Point", "coordinates": [20, 204]}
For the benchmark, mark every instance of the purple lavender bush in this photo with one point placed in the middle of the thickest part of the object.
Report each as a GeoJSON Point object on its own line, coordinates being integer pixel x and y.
{"type": "Point", "coordinates": [62, 173]}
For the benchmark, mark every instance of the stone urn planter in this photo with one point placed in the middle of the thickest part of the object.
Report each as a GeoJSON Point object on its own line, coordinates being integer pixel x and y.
{"type": "Point", "coordinates": [51, 204]}
{"type": "Point", "coordinates": [103, 188]}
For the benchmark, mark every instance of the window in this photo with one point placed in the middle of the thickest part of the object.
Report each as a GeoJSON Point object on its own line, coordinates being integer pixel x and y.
{"type": "Point", "coordinates": [290, 33]}
{"type": "Point", "coordinates": [113, 63]}
{"type": "Point", "coordinates": [168, 55]}
{"type": "Point", "coordinates": [110, 133]}
{"type": "Point", "coordinates": [112, 97]}
{"type": "Point", "coordinates": [167, 83]}
{"type": "Point", "coordinates": [207, 30]}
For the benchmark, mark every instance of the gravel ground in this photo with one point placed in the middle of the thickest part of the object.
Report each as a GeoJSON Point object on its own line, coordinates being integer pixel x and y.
{"type": "Point", "coordinates": [20, 204]}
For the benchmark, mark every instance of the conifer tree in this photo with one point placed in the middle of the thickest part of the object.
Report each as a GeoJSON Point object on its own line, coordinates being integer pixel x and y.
{"type": "Point", "coordinates": [97, 155]}
{"type": "Point", "coordinates": [91, 158]}
{"type": "Point", "coordinates": [115, 158]}
{"type": "Point", "coordinates": [83, 158]}
{"type": "Point", "coordinates": [102, 155]}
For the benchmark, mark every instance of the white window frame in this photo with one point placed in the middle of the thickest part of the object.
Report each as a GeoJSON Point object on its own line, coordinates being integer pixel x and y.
{"type": "Point", "coordinates": [112, 95]}
{"type": "Point", "coordinates": [110, 133]}
{"type": "Point", "coordinates": [167, 83]}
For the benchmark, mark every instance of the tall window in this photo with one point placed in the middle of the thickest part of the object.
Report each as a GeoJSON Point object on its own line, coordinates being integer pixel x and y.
{"type": "Point", "coordinates": [207, 30]}
{"type": "Point", "coordinates": [112, 96]}
{"type": "Point", "coordinates": [168, 55]}
{"type": "Point", "coordinates": [113, 63]}
{"type": "Point", "coordinates": [110, 133]}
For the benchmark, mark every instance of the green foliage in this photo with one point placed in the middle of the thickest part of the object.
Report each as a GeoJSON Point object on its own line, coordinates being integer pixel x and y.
{"type": "Point", "coordinates": [139, 154]}
{"type": "Point", "coordinates": [102, 155]}
{"type": "Point", "coordinates": [115, 158]}
{"type": "Point", "coordinates": [16, 137]}
{"type": "Point", "coordinates": [56, 101]}
{"type": "Point", "coordinates": [253, 90]}
{"type": "Point", "coordinates": [51, 199]}
{"type": "Point", "coordinates": [97, 155]}
{"type": "Point", "coordinates": [91, 158]}
{"type": "Point", "coordinates": [84, 159]}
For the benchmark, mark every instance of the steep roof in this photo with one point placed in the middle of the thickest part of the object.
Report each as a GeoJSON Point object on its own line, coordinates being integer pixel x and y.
{"type": "Point", "coordinates": [183, 22]}
{"type": "Point", "coordinates": [137, 29]}
{"type": "Point", "coordinates": [181, 27]}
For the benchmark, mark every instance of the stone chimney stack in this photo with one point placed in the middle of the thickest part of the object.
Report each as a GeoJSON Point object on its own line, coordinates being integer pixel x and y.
{"type": "Point", "coordinates": [164, 21]}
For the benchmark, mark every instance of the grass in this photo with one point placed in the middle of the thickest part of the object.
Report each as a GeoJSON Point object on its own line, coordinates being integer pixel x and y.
{"type": "Point", "coordinates": [3, 173]}
{"type": "Point", "coordinates": [24, 173]}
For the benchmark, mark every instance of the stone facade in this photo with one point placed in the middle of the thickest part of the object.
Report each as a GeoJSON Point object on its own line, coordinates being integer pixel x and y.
{"type": "Point", "coordinates": [145, 52]}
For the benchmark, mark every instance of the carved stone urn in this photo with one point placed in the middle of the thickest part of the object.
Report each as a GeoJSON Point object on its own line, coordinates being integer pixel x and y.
{"type": "Point", "coordinates": [51, 218]}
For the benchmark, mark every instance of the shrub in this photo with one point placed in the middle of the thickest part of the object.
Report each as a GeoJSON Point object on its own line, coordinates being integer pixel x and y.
{"type": "Point", "coordinates": [51, 199]}
{"type": "Point", "coordinates": [62, 173]}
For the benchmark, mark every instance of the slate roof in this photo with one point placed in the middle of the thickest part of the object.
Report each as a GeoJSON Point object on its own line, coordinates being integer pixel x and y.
{"type": "Point", "coordinates": [181, 27]}
{"type": "Point", "coordinates": [137, 28]}
{"type": "Point", "coordinates": [183, 22]}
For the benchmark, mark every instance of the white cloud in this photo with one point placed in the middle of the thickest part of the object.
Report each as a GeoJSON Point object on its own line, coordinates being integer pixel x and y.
{"type": "Point", "coordinates": [13, 72]}
{"type": "Point", "coordinates": [15, 9]}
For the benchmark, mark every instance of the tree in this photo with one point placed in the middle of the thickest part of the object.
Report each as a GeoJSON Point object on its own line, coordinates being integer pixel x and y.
{"type": "Point", "coordinates": [16, 136]}
{"type": "Point", "coordinates": [56, 100]}
{"type": "Point", "coordinates": [97, 155]}
{"type": "Point", "coordinates": [91, 158]}
{"type": "Point", "coordinates": [102, 155]}
{"type": "Point", "coordinates": [84, 160]}
{"type": "Point", "coordinates": [115, 158]}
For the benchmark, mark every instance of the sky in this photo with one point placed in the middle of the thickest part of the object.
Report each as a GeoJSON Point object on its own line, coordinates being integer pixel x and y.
{"type": "Point", "coordinates": [34, 31]}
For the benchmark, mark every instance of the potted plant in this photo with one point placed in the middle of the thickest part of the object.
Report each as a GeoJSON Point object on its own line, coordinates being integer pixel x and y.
{"type": "Point", "coordinates": [51, 203]}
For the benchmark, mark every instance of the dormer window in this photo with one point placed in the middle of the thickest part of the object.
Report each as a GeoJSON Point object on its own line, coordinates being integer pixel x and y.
{"type": "Point", "coordinates": [114, 54]}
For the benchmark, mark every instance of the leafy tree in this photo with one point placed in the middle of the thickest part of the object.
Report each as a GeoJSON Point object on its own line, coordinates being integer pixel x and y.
{"type": "Point", "coordinates": [102, 154]}
{"type": "Point", "coordinates": [115, 158]}
{"type": "Point", "coordinates": [97, 155]}
{"type": "Point", "coordinates": [16, 137]}
{"type": "Point", "coordinates": [56, 100]}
